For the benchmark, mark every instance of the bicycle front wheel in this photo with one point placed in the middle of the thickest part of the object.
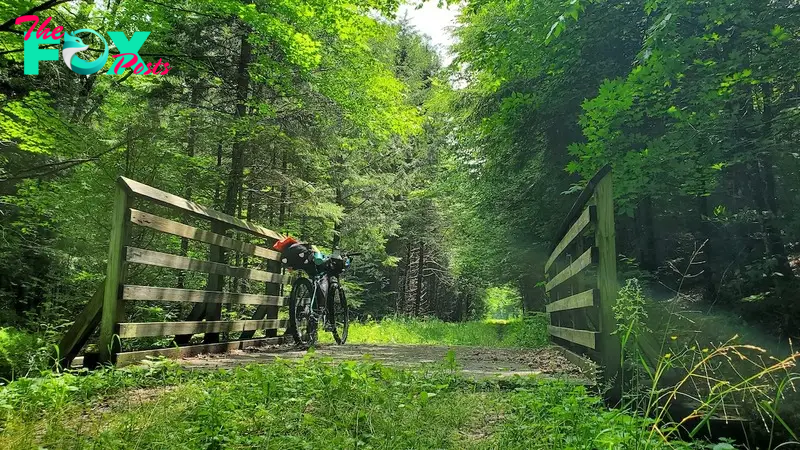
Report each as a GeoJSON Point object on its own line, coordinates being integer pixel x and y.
{"type": "Point", "coordinates": [302, 321]}
{"type": "Point", "coordinates": [339, 315]}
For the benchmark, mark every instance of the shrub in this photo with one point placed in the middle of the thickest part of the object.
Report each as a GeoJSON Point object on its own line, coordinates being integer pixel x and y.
{"type": "Point", "coordinates": [530, 332]}
{"type": "Point", "coordinates": [23, 354]}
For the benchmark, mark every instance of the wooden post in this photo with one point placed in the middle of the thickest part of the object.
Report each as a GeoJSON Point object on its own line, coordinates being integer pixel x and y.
{"type": "Point", "coordinates": [215, 282]}
{"type": "Point", "coordinates": [272, 289]}
{"type": "Point", "coordinates": [115, 276]}
{"type": "Point", "coordinates": [605, 240]}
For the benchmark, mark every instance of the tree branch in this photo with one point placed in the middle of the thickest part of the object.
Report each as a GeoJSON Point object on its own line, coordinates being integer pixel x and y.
{"type": "Point", "coordinates": [6, 26]}
{"type": "Point", "coordinates": [58, 166]}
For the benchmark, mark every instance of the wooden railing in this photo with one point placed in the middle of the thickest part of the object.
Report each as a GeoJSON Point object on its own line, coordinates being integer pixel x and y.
{"type": "Point", "coordinates": [582, 285]}
{"type": "Point", "coordinates": [107, 307]}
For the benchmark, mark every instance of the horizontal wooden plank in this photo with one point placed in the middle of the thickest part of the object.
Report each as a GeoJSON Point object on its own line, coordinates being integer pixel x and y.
{"type": "Point", "coordinates": [588, 217]}
{"type": "Point", "coordinates": [582, 200]}
{"type": "Point", "coordinates": [163, 225]}
{"type": "Point", "coordinates": [581, 337]}
{"type": "Point", "coordinates": [173, 201]}
{"type": "Point", "coordinates": [588, 258]}
{"type": "Point", "coordinates": [583, 300]}
{"type": "Point", "coordinates": [132, 330]}
{"type": "Point", "coordinates": [131, 292]}
{"type": "Point", "coordinates": [128, 358]}
{"type": "Point", "coordinates": [149, 257]}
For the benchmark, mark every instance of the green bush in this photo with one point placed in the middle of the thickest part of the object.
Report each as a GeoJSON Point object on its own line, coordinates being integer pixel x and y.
{"type": "Point", "coordinates": [530, 332]}
{"type": "Point", "coordinates": [23, 354]}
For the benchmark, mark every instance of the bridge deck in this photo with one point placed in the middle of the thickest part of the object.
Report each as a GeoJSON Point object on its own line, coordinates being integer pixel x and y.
{"type": "Point", "coordinates": [475, 362]}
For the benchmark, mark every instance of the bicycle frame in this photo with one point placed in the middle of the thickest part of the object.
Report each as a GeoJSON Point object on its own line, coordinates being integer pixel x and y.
{"type": "Point", "coordinates": [333, 283]}
{"type": "Point", "coordinates": [308, 313]}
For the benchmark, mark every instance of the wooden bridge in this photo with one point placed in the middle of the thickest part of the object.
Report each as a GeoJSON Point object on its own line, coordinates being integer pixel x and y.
{"type": "Point", "coordinates": [580, 310]}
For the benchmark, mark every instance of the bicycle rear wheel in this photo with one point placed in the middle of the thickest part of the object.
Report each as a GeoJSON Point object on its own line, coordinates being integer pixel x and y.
{"type": "Point", "coordinates": [339, 315]}
{"type": "Point", "coordinates": [302, 321]}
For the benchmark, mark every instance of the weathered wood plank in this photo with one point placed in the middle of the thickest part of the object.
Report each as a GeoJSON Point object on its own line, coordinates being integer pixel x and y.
{"type": "Point", "coordinates": [128, 358]}
{"type": "Point", "coordinates": [585, 299]}
{"type": "Point", "coordinates": [152, 258]}
{"type": "Point", "coordinates": [178, 229]}
{"type": "Point", "coordinates": [583, 199]}
{"type": "Point", "coordinates": [581, 337]}
{"type": "Point", "coordinates": [588, 258]}
{"type": "Point", "coordinates": [83, 327]}
{"type": "Point", "coordinates": [115, 276]}
{"type": "Point", "coordinates": [173, 201]}
{"type": "Point", "coordinates": [131, 330]}
{"type": "Point", "coordinates": [605, 241]}
{"type": "Point", "coordinates": [131, 292]}
{"type": "Point", "coordinates": [588, 217]}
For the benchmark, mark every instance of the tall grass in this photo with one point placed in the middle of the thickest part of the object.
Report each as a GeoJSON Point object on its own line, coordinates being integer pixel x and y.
{"type": "Point", "coordinates": [530, 332]}
{"type": "Point", "coordinates": [308, 404]}
{"type": "Point", "coordinates": [667, 373]}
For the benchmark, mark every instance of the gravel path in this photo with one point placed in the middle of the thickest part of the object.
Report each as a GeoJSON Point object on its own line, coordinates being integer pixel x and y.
{"type": "Point", "coordinates": [477, 362]}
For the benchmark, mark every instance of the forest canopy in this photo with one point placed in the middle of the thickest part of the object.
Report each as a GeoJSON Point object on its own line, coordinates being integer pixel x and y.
{"type": "Point", "coordinates": [338, 122]}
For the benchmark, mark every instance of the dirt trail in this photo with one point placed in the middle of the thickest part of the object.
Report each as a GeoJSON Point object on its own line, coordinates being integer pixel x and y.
{"type": "Point", "coordinates": [476, 362]}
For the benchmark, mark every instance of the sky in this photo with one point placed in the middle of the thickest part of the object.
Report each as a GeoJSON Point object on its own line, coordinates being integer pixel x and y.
{"type": "Point", "coordinates": [434, 22]}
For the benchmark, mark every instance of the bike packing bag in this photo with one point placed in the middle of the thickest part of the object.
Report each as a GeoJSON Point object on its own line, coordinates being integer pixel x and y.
{"type": "Point", "coordinates": [299, 257]}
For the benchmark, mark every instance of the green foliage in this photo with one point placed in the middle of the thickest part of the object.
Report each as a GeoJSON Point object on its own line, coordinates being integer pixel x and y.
{"type": "Point", "coordinates": [700, 356]}
{"type": "Point", "coordinates": [560, 416]}
{"type": "Point", "coordinates": [332, 93]}
{"type": "Point", "coordinates": [24, 354]}
{"type": "Point", "coordinates": [311, 403]}
{"type": "Point", "coordinates": [503, 303]}
{"type": "Point", "coordinates": [528, 333]}
{"type": "Point", "coordinates": [630, 313]}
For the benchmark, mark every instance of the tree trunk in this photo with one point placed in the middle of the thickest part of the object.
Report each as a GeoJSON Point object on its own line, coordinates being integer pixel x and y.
{"type": "Point", "coordinates": [337, 226]}
{"type": "Point", "coordinates": [191, 141]}
{"type": "Point", "coordinates": [706, 235]}
{"type": "Point", "coordinates": [406, 281]}
{"type": "Point", "coordinates": [237, 153]}
{"type": "Point", "coordinates": [217, 191]}
{"type": "Point", "coordinates": [420, 265]}
{"type": "Point", "coordinates": [764, 193]}
{"type": "Point", "coordinates": [284, 191]}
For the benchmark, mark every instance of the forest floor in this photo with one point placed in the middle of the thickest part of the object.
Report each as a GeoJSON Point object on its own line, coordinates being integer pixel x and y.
{"type": "Point", "coordinates": [474, 362]}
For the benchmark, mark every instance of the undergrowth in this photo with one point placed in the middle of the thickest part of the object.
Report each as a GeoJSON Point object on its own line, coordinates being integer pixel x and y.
{"type": "Point", "coordinates": [308, 404]}
{"type": "Point", "coordinates": [23, 354]}
{"type": "Point", "coordinates": [530, 332]}
{"type": "Point", "coordinates": [681, 379]}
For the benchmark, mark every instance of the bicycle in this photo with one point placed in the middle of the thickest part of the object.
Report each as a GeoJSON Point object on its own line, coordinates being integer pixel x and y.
{"type": "Point", "coordinates": [305, 311]}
